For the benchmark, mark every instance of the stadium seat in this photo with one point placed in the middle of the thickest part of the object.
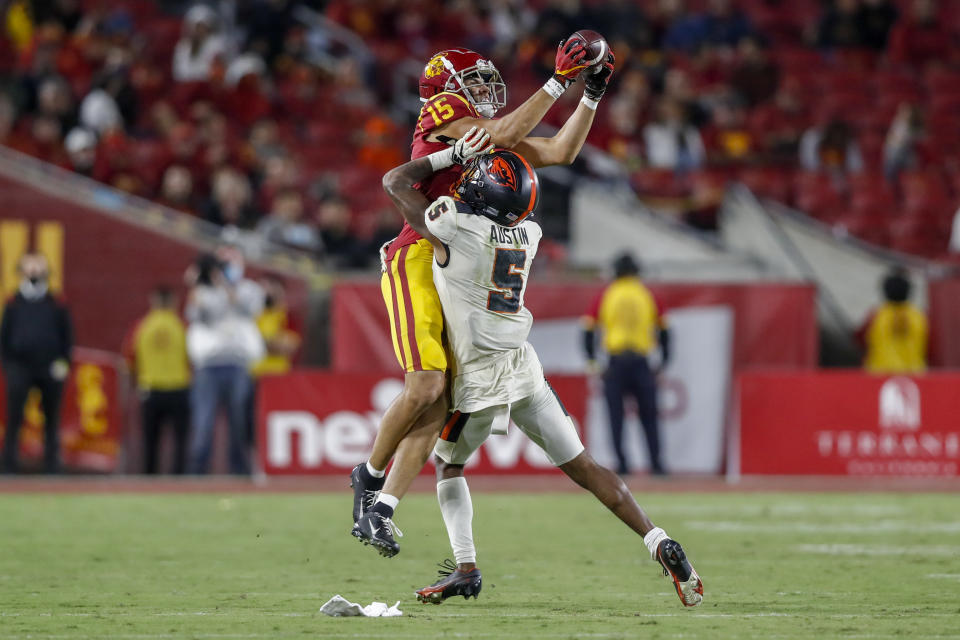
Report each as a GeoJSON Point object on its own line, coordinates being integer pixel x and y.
{"type": "Point", "coordinates": [884, 81]}
{"type": "Point", "coordinates": [924, 189]}
{"type": "Point", "coordinates": [793, 59]}
{"type": "Point", "coordinates": [658, 183]}
{"type": "Point", "coordinates": [941, 80]}
{"type": "Point", "coordinates": [768, 182]}
{"type": "Point", "coordinates": [918, 234]}
{"type": "Point", "coordinates": [818, 194]}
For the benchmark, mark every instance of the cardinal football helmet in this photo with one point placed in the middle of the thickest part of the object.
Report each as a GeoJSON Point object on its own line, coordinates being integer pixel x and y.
{"type": "Point", "coordinates": [501, 186]}
{"type": "Point", "coordinates": [467, 73]}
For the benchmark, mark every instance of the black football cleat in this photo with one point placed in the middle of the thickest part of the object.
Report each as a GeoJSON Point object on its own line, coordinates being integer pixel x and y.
{"type": "Point", "coordinates": [689, 586]}
{"type": "Point", "coordinates": [364, 494]}
{"type": "Point", "coordinates": [452, 582]}
{"type": "Point", "coordinates": [375, 529]}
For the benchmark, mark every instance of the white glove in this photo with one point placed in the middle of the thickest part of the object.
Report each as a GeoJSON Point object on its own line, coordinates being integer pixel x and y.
{"type": "Point", "coordinates": [59, 369]}
{"type": "Point", "coordinates": [475, 142]}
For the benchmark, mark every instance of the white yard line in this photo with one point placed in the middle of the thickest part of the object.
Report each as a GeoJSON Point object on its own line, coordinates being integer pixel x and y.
{"type": "Point", "coordinates": [874, 549]}
{"type": "Point", "coordinates": [451, 634]}
{"type": "Point", "coordinates": [786, 508]}
{"type": "Point", "coordinates": [805, 526]}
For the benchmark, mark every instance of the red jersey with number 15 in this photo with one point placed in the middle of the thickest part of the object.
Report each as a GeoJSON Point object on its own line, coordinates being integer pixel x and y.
{"type": "Point", "coordinates": [439, 110]}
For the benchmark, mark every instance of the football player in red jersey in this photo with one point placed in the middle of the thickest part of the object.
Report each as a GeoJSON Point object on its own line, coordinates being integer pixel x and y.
{"type": "Point", "coordinates": [460, 90]}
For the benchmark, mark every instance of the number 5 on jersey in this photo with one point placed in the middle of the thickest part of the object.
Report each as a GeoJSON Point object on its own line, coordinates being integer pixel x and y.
{"type": "Point", "coordinates": [438, 209]}
{"type": "Point", "coordinates": [508, 278]}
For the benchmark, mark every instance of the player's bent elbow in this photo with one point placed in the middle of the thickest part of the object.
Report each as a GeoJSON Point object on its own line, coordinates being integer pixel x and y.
{"type": "Point", "coordinates": [566, 156]}
{"type": "Point", "coordinates": [555, 156]}
{"type": "Point", "coordinates": [391, 181]}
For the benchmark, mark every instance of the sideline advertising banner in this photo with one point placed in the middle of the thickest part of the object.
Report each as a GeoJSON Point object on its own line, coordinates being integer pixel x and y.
{"type": "Point", "coordinates": [312, 422]}
{"type": "Point", "coordinates": [849, 423]}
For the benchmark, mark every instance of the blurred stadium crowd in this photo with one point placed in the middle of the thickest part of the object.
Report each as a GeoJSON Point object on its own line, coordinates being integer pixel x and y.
{"type": "Point", "coordinates": [280, 116]}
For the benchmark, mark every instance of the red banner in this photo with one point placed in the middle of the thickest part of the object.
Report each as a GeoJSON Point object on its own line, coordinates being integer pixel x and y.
{"type": "Point", "coordinates": [849, 423]}
{"type": "Point", "coordinates": [323, 423]}
{"type": "Point", "coordinates": [944, 302]}
{"type": "Point", "coordinates": [89, 417]}
{"type": "Point", "coordinates": [774, 325]}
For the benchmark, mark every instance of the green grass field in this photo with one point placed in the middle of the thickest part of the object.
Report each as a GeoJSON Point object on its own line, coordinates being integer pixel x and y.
{"type": "Point", "coordinates": [791, 565]}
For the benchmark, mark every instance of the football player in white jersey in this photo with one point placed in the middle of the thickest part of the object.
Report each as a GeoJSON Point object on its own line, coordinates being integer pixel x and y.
{"type": "Point", "coordinates": [484, 245]}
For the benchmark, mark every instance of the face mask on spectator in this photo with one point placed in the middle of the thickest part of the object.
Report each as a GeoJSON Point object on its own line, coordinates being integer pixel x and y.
{"type": "Point", "coordinates": [33, 287]}
{"type": "Point", "coordinates": [233, 272]}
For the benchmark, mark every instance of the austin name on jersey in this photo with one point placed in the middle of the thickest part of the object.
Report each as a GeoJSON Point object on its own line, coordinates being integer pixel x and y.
{"type": "Point", "coordinates": [509, 235]}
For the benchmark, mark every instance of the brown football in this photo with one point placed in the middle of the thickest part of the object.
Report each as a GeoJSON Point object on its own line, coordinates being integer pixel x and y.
{"type": "Point", "coordinates": [597, 47]}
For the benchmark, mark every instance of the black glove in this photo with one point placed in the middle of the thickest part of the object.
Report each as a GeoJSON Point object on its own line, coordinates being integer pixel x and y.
{"type": "Point", "coordinates": [596, 83]}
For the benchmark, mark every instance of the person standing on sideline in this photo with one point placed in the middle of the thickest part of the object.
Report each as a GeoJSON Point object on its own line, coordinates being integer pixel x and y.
{"type": "Point", "coordinates": [36, 338]}
{"type": "Point", "coordinates": [632, 324]}
{"type": "Point", "coordinates": [157, 353]}
{"type": "Point", "coordinates": [895, 335]}
{"type": "Point", "coordinates": [223, 342]}
{"type": "Point", "coordinates": [279, 332]}
{"type": "Point", "coordinates": [280, 338]}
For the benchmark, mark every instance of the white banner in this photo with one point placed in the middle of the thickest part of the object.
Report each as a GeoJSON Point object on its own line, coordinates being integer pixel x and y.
{"type": "Point", "coordinates": [693, 390]}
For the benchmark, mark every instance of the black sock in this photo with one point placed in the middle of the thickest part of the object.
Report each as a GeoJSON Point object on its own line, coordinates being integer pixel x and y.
{"type": "Point", "coordinates": [370, 481]}
{"type": "Point", "coordinates": [383, 509]}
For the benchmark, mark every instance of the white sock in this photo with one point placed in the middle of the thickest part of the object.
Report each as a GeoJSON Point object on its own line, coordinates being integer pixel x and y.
{"type": "Point", "coordinates": [457, 510]}
{"type": "Point", "coordinates": [376, 473]}
{"type": "Point", "coordinates": [653, 539]}
{"type": "Point", "coordinates": [389, 500]}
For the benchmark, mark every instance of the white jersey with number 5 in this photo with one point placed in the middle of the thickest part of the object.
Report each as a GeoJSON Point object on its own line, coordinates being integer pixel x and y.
{"type": "Point", "coordinates": [481, 288]}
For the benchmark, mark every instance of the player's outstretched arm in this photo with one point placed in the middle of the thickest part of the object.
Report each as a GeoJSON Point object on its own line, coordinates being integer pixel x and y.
{"type": "Point", "coordinates": [515, 126]}
{"type": "Point", "coordinates": [565, 146]}
{"type": "Point", "coordinates": [399, 182]}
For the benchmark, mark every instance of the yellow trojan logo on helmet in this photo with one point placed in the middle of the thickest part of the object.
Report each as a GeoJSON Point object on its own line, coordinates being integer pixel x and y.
{"type": "Point", "coordinates": [434, 67]}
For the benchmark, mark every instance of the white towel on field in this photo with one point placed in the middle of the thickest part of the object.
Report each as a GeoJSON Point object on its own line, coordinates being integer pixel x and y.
{"type": "Point", "coordinates": [338, 606]}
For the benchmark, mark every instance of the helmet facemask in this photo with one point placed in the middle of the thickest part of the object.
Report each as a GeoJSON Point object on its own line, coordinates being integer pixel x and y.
{"type": "Point", "coordinates": [475, 78]}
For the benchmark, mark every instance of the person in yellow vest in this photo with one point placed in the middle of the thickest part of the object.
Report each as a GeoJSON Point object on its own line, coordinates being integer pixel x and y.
{"type": "Point", "coordinates": [633, 326]}
{"type": "Point", "coordinates": [157, 353]}
{"type": "Point", "coordinates": [280, 338]}
{"type": "Point", "coordinates": [279, 335]}
{"type": "Point", "coordinates": [895, 335]}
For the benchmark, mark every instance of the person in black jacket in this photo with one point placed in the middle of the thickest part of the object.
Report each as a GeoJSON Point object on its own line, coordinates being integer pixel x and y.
{"type": "Point", "coordinates": [35, 343]}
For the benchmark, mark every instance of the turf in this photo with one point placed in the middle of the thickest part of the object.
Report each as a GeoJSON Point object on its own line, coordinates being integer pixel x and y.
{"type": "Point", "coordinates": [555, 566]}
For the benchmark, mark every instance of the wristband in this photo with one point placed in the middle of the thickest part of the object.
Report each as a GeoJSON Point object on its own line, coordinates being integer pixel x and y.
{"type": "Point", "coordinates": [589, 102]}
{"type": "Point", "coordinates": [554, 88]}
{"type": "Point", "coordinates": [441, 159]}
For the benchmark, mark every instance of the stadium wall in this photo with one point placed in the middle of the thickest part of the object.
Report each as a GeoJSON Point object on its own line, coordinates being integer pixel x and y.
{"type": "Point", "coordinates": [774, 324]}
{"type": "Point", "coordinates": [107, 249]}
{"type": "Point", "coordinates": [944, 312]}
